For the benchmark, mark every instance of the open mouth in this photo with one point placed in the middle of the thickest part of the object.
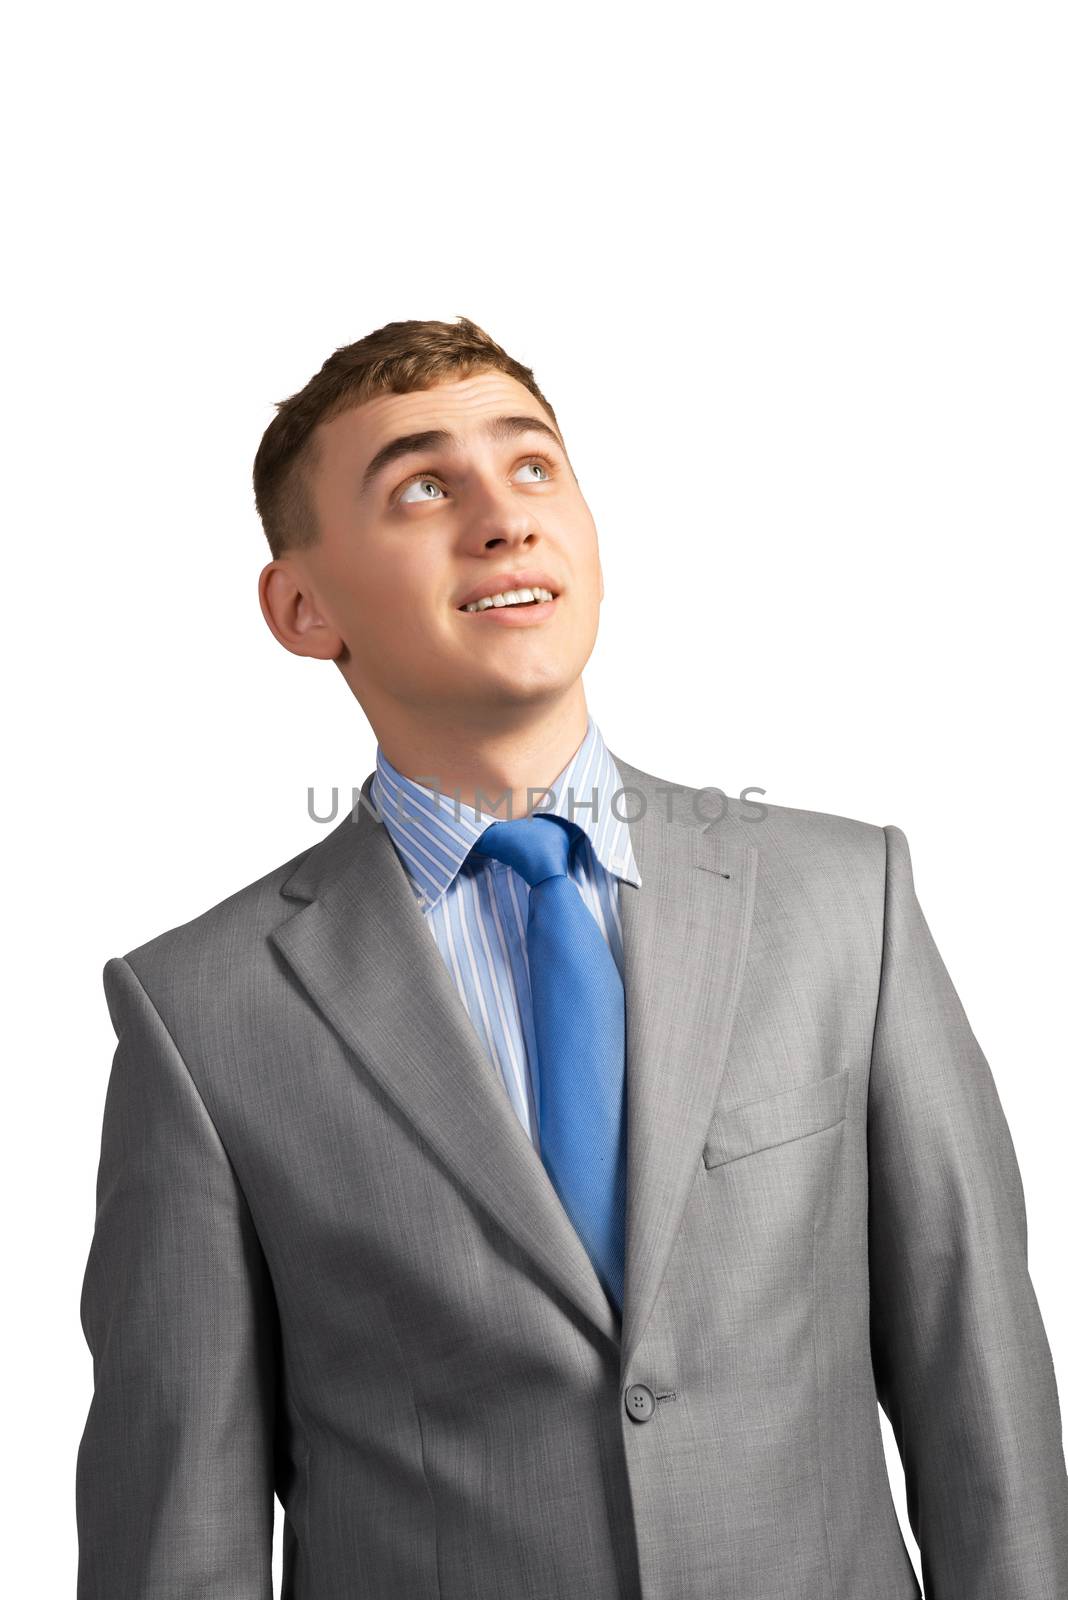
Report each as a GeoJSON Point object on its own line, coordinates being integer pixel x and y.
{"type": "Point", "coordinates": [512, 600]}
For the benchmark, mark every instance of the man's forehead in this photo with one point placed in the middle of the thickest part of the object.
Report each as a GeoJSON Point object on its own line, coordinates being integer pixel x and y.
{"type": "Point", "coordinates": [459, 406]}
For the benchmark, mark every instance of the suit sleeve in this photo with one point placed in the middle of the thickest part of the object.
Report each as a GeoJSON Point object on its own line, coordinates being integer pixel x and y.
{"type": "Point", "coordinates": [961, 1361]}
{"type": "Point", "coordinates": [174, 1478]}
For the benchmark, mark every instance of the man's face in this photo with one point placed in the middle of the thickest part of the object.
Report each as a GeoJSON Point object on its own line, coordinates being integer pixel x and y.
{"type": "Point", "coordinates": [404, 542]}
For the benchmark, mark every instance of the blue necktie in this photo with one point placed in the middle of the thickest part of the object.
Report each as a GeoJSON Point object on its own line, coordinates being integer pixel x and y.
{"type": "Point", "coordinates": [579, 1029]}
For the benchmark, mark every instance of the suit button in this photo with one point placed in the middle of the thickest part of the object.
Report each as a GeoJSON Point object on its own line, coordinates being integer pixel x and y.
{"type": "Point", "coordinates": [640, 1402]}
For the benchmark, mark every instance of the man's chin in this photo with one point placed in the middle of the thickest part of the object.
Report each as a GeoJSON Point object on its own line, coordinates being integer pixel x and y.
{"type": "Point", "coordinates": [496, 696]}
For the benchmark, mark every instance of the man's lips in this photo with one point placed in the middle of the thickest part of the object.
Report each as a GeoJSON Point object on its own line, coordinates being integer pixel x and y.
{"type": "Point", "coordinates": [501, 582]}
{"type": "Point", "coordinates": [514, 616]}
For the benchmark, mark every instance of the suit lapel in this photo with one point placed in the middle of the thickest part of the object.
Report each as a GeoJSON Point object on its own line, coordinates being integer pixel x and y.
{"type": "Point", "coordinates": [367, 958]}
{"type": "Point", "coordinates": [685, 939]}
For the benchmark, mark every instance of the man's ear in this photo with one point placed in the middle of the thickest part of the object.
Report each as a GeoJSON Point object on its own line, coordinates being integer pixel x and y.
{"type": "Point", "coordinates": [293, 613]}
{"type": "Point", "coordinates": [600, 569]}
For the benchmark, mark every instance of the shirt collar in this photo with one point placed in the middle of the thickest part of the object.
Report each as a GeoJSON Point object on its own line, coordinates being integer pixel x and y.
{"type": "Point", "coordinates": [434, 834]}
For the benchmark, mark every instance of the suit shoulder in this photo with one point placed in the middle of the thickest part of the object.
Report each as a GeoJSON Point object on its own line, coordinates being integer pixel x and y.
{"type": "Point", "coordinates": [800, 841]}
{"type": "Point", "coordinates": [824, 828]}
{"type": "Point", "coordinates": [224, 937]}
{"type": "Point", "coordinates": [821, 841]}
{"type": "Point", "coordinates": [823, 865]}
{"type": "Point", "coordinates": [750, 818]}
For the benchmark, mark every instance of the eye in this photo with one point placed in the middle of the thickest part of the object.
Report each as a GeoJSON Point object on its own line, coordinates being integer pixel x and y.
{"type": "Point", "coordinates": [424, 480]}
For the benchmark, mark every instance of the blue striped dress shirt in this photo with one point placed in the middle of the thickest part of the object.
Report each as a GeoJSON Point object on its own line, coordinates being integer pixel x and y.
{"type": "Point", "coordinates": [477, 908]}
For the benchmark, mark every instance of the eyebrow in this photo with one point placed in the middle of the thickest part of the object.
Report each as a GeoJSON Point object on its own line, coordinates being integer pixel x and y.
{"type": "Point", "coordinates": [408, 444]}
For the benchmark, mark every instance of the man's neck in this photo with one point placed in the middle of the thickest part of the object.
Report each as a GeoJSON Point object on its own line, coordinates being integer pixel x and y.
{"type": "Point", "coordinates": [482, 762]}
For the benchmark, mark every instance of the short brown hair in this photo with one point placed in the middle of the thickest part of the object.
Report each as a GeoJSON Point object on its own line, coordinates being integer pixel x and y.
{"type": "Point", "coordinates": [397, 358]}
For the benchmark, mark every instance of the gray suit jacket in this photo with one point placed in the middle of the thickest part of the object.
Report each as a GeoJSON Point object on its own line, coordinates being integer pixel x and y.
{"type": "Point", "coordinates": [328, 1264]}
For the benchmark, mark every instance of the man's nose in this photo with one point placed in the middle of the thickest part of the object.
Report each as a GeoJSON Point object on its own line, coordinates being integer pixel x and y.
{"type": "Point", "coordinates": [495, 514]}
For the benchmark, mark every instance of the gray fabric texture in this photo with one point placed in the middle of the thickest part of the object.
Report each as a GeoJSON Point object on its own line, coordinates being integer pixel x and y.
{"type": "Point", "coordinates": [328, 1263]}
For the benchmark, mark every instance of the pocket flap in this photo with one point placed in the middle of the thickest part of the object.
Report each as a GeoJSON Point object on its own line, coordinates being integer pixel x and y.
{"type": "Point", "coordinates": [791, 1114]}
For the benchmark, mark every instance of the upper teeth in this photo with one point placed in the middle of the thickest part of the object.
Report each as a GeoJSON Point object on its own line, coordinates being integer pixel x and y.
{"type": "Point", "coordinates": [508, 597]}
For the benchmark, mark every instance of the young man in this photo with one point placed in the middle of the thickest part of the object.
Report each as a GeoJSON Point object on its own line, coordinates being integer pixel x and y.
{"type": "Point", "coordinates": [540, 1191]}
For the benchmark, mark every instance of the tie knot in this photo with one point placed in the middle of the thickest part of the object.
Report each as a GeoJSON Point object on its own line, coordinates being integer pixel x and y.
{"type": "Point", "coordinates": [537, 847]}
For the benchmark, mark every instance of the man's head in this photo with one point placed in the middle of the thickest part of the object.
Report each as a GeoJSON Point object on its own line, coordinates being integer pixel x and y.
{"type": "Point", "coordinates": [419, 465]}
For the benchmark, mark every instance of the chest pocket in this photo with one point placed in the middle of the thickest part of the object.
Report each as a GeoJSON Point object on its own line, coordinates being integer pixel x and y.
{"type": "Point", "coordinates": [776, 1119]}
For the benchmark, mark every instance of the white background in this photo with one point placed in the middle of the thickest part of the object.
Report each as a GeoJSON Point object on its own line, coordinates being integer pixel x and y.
{"type": "Point", "coordinates": [792, 277]}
